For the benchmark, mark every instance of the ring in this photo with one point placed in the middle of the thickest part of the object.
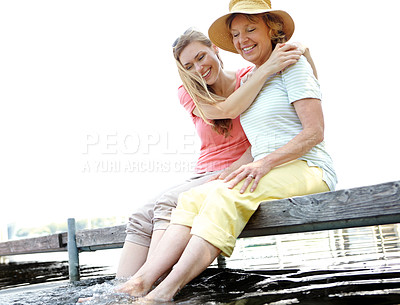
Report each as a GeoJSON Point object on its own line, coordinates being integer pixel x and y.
{"type": "Point", "coordinates": [251, 176]}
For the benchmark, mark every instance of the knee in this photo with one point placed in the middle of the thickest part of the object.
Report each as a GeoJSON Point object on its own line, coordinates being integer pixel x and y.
{"type": "Point", "coordinates": [141, 222]}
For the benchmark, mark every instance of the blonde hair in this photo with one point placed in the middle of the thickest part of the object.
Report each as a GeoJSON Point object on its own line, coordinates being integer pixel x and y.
{"type": "Point", "coordinates": [195, 84]}
{"type": "Point", "coordinates": [273, 22]}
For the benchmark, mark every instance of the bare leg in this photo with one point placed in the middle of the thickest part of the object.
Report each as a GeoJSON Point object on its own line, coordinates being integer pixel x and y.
{"type": "Point", "coordinates": [167, 253]}
{"type": "Point", "coordinates": [132, 258]}
{"type": "Point", "coordinates": [198, 255]}
{"type": "Point", "coordinates": [155, 239]}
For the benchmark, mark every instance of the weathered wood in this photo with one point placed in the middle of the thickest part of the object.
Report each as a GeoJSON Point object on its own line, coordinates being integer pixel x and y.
{"type": "Point", "coordinates": [110, 237]}
{"type": "Point", "coordinates": [73, 254]}
{"type": "Point", "coordinates": [370, 205]}
{"type": "Point", "coordinates": [363, 206]}
{"type": "Point", "coordinates": [49, 243]}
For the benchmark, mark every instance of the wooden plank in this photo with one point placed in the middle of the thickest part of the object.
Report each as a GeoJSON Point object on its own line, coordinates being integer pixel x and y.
{"type": "Point", "coordinates": [110, 237]}
{"type": "Point", "coordinates": [49, 243]}
{"type": "Point", "coordinates": [363, 206]}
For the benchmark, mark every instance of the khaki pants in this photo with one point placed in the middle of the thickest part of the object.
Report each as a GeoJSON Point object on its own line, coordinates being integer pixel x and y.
{"type": "Point", "coordinates": [156, 213]}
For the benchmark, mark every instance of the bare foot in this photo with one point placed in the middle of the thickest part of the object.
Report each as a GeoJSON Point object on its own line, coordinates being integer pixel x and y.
{"type": "Point", "coordinates": [147, 301]}
{"type": "Point", "coordinates": [156, 297]}
{"type": "Point", "coordinates": [135, 287]}
{"type": "Point", "coordinates": [81, 300]}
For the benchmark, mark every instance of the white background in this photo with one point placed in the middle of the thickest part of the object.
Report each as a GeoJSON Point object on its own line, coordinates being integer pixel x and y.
{"type": "Point", "coordinates": [89, 83]}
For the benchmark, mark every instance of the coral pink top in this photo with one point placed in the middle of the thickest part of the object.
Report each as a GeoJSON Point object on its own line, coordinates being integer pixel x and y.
{"type": "Point", "coordinates": [216, 151]}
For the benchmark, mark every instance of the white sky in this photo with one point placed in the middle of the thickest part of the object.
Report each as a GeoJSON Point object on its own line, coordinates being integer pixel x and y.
{"type": "Point", "coordinates": [84, 83]}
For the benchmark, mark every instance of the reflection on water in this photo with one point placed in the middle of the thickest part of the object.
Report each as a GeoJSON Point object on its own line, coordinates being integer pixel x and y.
{"type": "Point", "coordinates": [349, 266]}
{"type": "Point", "coordinates": [21, 274]}
{"type": "Point", "coordinates": [352, 248]}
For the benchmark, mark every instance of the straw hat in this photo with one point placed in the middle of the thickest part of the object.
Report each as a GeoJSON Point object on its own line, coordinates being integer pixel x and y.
{"type": "Point", "coordinates": [220, 34]}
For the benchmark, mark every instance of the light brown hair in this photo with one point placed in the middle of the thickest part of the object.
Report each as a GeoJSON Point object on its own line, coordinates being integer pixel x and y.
{"type": "Point", "coordinates": [195, 84]}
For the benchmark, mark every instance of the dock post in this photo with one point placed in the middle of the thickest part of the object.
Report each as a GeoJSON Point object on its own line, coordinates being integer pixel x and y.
{"type": "Point", "coordinates": [221, 262]}
{"type": "Point", "coordinates": [73, 254]}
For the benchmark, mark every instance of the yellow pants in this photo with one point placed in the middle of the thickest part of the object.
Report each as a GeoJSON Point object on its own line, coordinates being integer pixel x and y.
{"type": "Point", "coordinates": [219, 214]}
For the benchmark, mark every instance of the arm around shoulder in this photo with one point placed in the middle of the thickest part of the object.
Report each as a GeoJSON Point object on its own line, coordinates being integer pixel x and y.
{"type": "Point", "coordinates": [283, 56]}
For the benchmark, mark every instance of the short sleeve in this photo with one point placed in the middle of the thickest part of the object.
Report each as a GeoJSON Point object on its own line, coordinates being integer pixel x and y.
{"type": "Point", "coordinates": [300, 81]}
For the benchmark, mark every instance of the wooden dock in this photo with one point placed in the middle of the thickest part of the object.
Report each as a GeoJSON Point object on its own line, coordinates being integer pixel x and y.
{"type": "Point", "coordinates": [363, 206]}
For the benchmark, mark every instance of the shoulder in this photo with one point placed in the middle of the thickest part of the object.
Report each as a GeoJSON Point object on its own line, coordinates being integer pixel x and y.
{"type": "Point", "coordinates": [243, 71]}
{"type": "Point", "coordinates": [243, 74]}
{"type": "Point", "coordinates": [185, 99]}
{"type": "Point", "coordinates": [184, 96]}
{"type": "Point", "coordinates": [182, 93]}
{"type": "Point", "coordinates": [300, 81]}
{"type": "Point", "coordinates": [300, 67]}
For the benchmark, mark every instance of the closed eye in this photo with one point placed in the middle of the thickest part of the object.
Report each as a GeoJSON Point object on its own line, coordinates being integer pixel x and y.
{"type": "Point", "coordinates": [234, 34]}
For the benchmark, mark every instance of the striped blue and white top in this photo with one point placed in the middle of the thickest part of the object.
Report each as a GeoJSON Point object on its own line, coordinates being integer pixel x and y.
{"type": "Point", "coordinates": [271, 121]}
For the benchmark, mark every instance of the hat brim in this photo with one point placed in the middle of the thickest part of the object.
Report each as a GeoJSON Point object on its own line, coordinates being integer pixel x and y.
{"type": "Point", "coordinates": [220, 35]}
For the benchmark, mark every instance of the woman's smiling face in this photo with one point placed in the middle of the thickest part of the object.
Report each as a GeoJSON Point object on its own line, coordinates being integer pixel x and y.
{"type": "Point", "coordinates": [251, 38]}
{"type": "Point", "coordinates": [197, 57]}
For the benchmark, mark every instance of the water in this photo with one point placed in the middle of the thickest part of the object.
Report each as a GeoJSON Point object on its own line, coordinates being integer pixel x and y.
{"type": "Point", "coordinates": [349, 266]}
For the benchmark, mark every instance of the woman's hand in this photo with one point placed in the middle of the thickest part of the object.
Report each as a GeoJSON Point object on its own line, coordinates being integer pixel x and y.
{"type": "Point", "coordinates": [220, 176]}
{"type": "Point", "coordinates": [250, 173]}
{"type": "Point", "coordinates": [225, 173]}
{"type": "Point", "coordinates": [246, 158]}
{"type": "Point", "coordinates": [284, 55]}
{"type": "Point", "coordinates": [302, 48]}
